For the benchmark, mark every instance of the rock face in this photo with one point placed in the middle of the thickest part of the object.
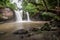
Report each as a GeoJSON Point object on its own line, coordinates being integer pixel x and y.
{"type": "Point", "coordinates": [6, 14]}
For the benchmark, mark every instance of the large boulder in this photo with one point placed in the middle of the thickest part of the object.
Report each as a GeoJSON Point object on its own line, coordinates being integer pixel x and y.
{"type": "Point", "coordinates": [6, 13]}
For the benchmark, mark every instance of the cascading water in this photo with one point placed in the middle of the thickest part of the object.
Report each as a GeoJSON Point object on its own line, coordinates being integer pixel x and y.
{"type": "Point", "coordinates": [19, 13]}
{"type": "Point", "coordinates": [28, 18]}
{"type": "Point", "coordinates": [36, 1]}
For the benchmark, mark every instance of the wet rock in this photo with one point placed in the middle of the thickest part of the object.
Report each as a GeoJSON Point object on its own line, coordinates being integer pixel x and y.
{"type": "Point", "coordinates": [28, 35]}
{"type": "Point", "coordinates": [1, 33]}
{"type": "Point", "coordinates": [45, 27]}
{"type": "Point", "coordinates": [7, 14]}
{"type": "Point", "coordinates": [34, 29]}
{"type": "Point", "coordinates": [21, 31]}
{"type": "Point", "coordinates": [22, 37]}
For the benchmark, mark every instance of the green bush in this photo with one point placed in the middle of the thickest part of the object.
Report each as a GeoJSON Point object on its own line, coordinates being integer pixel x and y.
{"type": "Point", "coordinates": [49, 16]}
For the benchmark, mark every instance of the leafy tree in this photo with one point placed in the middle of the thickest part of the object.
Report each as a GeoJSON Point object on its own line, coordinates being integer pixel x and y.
{"type": "Point", "coordinates": [7, 3]}
{"type": "Point", "coordinates": [52, 3]}
{"type": "Point", "coordinates": [32, 6]}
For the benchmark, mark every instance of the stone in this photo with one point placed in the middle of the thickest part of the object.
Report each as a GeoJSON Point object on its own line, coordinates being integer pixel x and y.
{"type": "Point", "coordinates": [21, 31]}
{"type": "Point", "coordinates": [28, 35]}
{"type": "Point", "coordinates": [7, 14]}
{"type": "Point", "coordinates": [2, 33]}
{"type": "Point", "coordinates": [34, 29]}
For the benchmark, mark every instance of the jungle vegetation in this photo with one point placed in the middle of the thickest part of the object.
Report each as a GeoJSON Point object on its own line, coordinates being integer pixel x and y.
{"type": "Point", "coordinates": [49, 7]}
{"type": "Point", "coordinates": [7, 3]}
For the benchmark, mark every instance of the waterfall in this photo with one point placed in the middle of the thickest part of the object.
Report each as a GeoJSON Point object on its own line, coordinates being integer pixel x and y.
{"type": "Point", "coordinates": [28, 18]}
{"type": "Point", "coordinates": [36, 1]}
{"type": "Point", "coordinates": [19, 13]}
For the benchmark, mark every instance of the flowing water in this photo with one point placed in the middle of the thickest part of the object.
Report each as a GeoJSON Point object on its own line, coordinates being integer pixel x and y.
{"type": "Point", "coordinates": [36, 1]}
{"type": "Point", "coordinates": [28, 18]}
{"type": "Point", "coordinates": [9, 28]}
{"type": "Point", "coordinates": [20, 23]}
{"type": "Point", "coordinates": [19, 13]}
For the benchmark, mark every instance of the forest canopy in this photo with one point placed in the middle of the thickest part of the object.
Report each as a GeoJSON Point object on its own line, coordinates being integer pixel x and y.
{"type": "Point", "coordinates": [36, 5]}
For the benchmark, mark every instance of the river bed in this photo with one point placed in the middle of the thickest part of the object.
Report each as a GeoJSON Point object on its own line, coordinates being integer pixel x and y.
{"type": "Point", "coordinates": [7, 27]}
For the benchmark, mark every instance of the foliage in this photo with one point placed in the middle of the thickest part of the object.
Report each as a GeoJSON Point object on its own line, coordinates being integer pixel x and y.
{"type": "Point", "coordinates": [7, 3]}
{"type": "Point", "coordinates": [34, 7]}
{"type": "Point", "coordinates": [52, 3]}
{"type": "Point", "coordinates": [49, 16]}
{"type": "Point", "coordinates": [29, 6]}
